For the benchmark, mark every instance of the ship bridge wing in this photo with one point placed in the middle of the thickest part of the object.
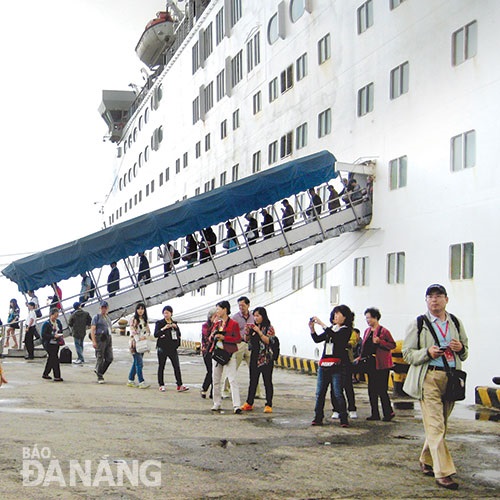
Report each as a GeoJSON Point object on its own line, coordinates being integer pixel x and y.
{"type": "Point", "coordinates": [170, 223]}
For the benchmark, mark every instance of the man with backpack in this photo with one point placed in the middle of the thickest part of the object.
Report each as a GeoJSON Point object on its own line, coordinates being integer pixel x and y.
{"type": "Point", "coordinates": [431, 339]}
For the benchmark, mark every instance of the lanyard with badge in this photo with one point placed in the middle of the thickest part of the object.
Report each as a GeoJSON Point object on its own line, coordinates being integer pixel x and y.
{"type": "Point", "coordinates": [448, 353]}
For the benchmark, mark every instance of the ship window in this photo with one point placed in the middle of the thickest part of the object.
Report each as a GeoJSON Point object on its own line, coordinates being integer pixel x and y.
{"type": "Point", "coordinates": [125, 208]}
{"type": "Point", "coordinates": [324, 49]}
{"type": "Point", "coordinates": [237, 69]}
{"type": "Point", "coordinates": [219, 26]}
{"type": "Point", "coordinates": [167, 174]}
{"type": "Point", "coordinates": [152, 186]}
{"type": "Point", "coordinates": [236, 119]}
{"type": "Point", "coordinates": [135, 199]}
{"type": "Point", "coordinates": [297, 272]}
{"type": "Point", "coordinates": [256, 162]}
{"type": "Point", "coordinates": [146, 115]}
{"type": "Point", "coordinates": [124, 147]}
{"type": "Point", "coordinates": [396, 268]}
{"type": "Point", "coordinates": [223, 129]}
{"type": "Point", "coordinates": [221, 85]}
{"type": "Point", "coordinates": [464, 44]}
{"type": "Point", "coordinates": [320, 275]}
{"type": "Point", "coordinates": [251, 282]}
{"type": "Point", "coordinates": [130, 141]}
{"type": "Point", "coordinates": [297, 8]}
{"type": "Point", "coordinates": [463, 151]}
{"type": "Point", "coordinates": [235, 174]}
{"type": "Point", "coordinates": [197, 149]}
{"type": "Point", "coordinates": [272, 30]}
{"type": "Point", "coordinates": [324, 122]}
{"type": "Point", "coordinates": [208, 41]}
{"type": "Point", "coordinates": [236, 11]}
{"type": "Point", "coordinates": [400, 80]}
{"type": "Point", "coordinates": [301, 136]}
{"type": "Point", "coordinates": [177, 165]}
{"type": "Point", "coordinates": [140, 195]}
{"type": "Point", "coordinates": [120, 185]}
{"type": "Point", "coordinates": [273, 89]}
{"type": "Point", "coordinates": [223, 179]}
{"type": "Point", "coordinates": [398, 172]}
{"type": "Point", "coordinates": [195, 57]}
{"type": "Point", "coordinates": [135, 134]}
{"type": "Point", "coordinates": [209, 96]}
{"type": "Point", "coordinates": [301, 66]}
{"type": "Point", "coordinates": [146, 154]}
{"type": "Point", "coordinates": [207, 142]}
{"type": "Point", "coordinates": [361, 271]}
{"type": "Point", "coordinates": [365, 99]}
{"type": "Point", "coordinates": [253, 52]}
{"type": "Point", "coordinates": [124, 180]}
{"type": "Point", "coordinates": [268, 281]}
{"type": "Point", "coordinates": [140, 123]}
{"type": "Point", "coordinates": [130, 203]}
{"type": "Point", "coordinates": [395, 3]}
{"type": "Point", "coordinates": [462, 261]}
{"type": "Point", "coordinates": [334, 295]}
{"type": "Point", "coordinates": [140, 160]}
{"type": "Point", "coordinates": [287, 79]}
{"type": "Point", "coordinates": [147, 189]}
{"type": "Point", "coordinates": [129, 175]}
{"type": "Point", "coordinates": [257, 102]}
{"type": "Point", "coordinates": [196, 109]}
{"type": "Point", "coordinates": [365, 16]}
{"type": "Point", "coordinates": [197, 191]}
{"type": "Point", "coordinates": [286, 142]}
{"type": "Point", "coordinates": [272, 155]}
{"type": "Point", "coordinates": [185, 160]}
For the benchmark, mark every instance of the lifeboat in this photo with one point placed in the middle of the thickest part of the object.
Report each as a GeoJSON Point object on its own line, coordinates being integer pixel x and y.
{"type": "Point", "coordinates": [156, 38]}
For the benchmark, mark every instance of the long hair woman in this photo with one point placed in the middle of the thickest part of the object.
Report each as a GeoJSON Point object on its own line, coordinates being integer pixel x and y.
{"type": "Point", "coordinates": [139, 330]}
{"type": "Point", "coordinates": [259, 337]}
{"type": "Point", "coordinates": [13, 323]}
{"type": "Point", "coordinates": [336, 339]}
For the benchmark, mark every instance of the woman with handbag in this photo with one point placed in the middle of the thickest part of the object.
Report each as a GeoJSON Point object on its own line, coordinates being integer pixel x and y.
{"type": "Point", "coordinates": [225, 337]}
{"type": "Point", "coordinates": [206, 330]}
{"type": "Point", "coordinates": [52, 338]}
{"type": "Point", "coordinates": [336, 339]}
{"type": "Point", "coordinates": [139, 332]}
{"type": "Point", "coordinates": [259, 337]}
{"type": "Point", "coordinates": [168, 337]}
{"type": "Point", "coordinates": [376, 349]}
{"type": "Point", "coordinates": [13, 323]}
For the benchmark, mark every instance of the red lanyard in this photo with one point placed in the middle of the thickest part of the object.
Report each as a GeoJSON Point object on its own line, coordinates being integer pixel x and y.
{"type": "Point", "coordinates": [445, 333]}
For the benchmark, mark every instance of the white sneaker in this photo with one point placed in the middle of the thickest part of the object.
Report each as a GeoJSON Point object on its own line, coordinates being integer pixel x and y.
{"type": "Point", "coordinates": [162, 388]}
{"type": "Point", "coordinates": [335, 415]}
{"type": "Point", "coordinates": [131, 383]}
{"type": "Point", "coordinates": [353, 414]}
{"type": "Point", "coordinates": [77, 362]}
{"type": "Point", "coordinates": [143, 385]}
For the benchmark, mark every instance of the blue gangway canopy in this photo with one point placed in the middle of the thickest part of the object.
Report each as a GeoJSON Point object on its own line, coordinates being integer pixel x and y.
{"type": "Point", "coordinates": [170, 223]}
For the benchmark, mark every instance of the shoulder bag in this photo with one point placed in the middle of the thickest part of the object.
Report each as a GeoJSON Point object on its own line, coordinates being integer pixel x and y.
{"type": "Point", "coordinates": [142, 346]}
{"type": "Point", "coordinates": [221, 356]}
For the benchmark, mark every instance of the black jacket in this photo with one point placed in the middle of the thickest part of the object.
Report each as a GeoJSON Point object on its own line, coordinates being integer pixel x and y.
{"type": "Point", "coordinates": [164, 337]}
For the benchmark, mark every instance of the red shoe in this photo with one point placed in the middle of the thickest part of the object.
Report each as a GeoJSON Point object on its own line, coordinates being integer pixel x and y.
{"type": "Point", "coordinates": [247, 407]}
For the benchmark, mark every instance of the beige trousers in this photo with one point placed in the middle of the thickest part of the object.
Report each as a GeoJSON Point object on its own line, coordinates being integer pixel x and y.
{"type": "Point", "coordinates": [435, 413]}
{"type": "Point", "coordinates": [242, 354]}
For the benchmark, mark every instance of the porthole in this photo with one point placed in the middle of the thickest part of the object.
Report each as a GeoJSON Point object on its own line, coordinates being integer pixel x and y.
{"type": "Point", "coordinates": [135, 170]}
{"type": "Point", "coordinates": [294, 350]}
{"type": "Point", "coordinates": [140, 160]}
{"type": "Point", "coordinates": [272, 30]}
{"type": "Point", "coordinates": [140, 123]}
{"type": "Point", "coordinates": [297, 8]}
{"type": "Point", "coordinates": [129, 176]}
{"type": "Point", "coordinates": [135, 134]}
{"type": "Point", "coordinates": [146, 115]}
{"type": "Point", "coordinates": [120, 184]}
{"type": "Point", "coordinates": [146, 154]}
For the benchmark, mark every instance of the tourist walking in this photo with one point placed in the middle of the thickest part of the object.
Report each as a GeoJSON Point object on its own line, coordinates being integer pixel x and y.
{"type": "Point", "coordinates": [79, 321]}
{"type": "Point", "coordinates": [206, 330]}
{"type": "Point", "coordinates": [168, 335]}
{"type": "Point", "coordinates": [31, 332]}
{"type": "Point", "coordinates": [113, 280]}
{"type": "Point", "coordinates": [434, 336]}
{"type": "Point", "coordinates": [12, 323]}
{"type": "Point", "coordinates": [139, 331]}
{"type": "Point", "coordinates": [100, 333]}
{"type": "Point", "coordinates": [259, 336]}
{"type": "Point", "coordinates": [52, 338]}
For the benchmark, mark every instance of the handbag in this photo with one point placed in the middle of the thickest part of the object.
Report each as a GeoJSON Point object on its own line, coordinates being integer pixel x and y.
{"type": "Point", "coordinates": [225, 244]}
{"type": "Point", "coordinates": [221, 356]}
{"type": "Point", "coordinates": [455, 385]}
{"type": "Point", "coordinates": [142, 346]}
{"type": "Point", "coordinates": [60, 341]}
{"type": "Point", "coordinates": [364, 365]}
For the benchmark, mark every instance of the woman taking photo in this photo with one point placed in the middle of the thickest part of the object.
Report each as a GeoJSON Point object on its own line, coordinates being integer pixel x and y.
{"type": "Point", "coordinates": [259, 337]}
{"type": "Point", "coordinates": [169, 339]}
{"type": "Point", "coordinates": [139, 330]}
{"type": "Point", "coordinates": [225, 336]}
{"type": "Point", "coordinates": [334, 355]}
{"type": "Point", "coordinates": [376, 354]}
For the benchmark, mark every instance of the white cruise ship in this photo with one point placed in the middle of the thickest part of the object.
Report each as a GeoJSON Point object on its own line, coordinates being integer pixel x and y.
{"type": "Point", "coordinates": [403, 90]}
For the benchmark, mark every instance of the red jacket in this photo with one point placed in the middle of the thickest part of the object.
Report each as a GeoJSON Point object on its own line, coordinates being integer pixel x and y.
{"type": "Point", "coordinates": [231, 332]}
{"type": "Point", "coordinates": [383, 356]}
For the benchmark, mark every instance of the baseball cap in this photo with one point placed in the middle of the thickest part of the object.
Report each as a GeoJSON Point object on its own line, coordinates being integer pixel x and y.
{"type": "Point", "coordinates": [76, 305]}
{"type": "Point", "coordinates": [104, 304]}
{"type": "Point", "coordinates": [436, 288]}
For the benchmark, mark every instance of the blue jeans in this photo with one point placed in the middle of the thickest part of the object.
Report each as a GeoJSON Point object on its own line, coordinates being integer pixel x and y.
{"type": "Point", "coordinates": [325, 376]}
{"type": "Point", "coordinates": [79, 348]}
{"type": "Point", "coordinates": [136, 367]}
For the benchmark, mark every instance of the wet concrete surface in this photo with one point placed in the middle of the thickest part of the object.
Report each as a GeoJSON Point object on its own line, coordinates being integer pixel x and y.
{"type": "Point", "coordinates": [201, 454]}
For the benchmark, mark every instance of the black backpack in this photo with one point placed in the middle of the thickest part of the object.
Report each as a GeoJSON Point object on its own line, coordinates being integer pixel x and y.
{"type": "Point", "coordinates": [177, 257]}
{"type": "Point", "coordinates": [275, 347]}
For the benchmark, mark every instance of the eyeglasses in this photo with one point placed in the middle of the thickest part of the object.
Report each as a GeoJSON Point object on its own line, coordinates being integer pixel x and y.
{"type": "Point", "coordinates": [435, 296]}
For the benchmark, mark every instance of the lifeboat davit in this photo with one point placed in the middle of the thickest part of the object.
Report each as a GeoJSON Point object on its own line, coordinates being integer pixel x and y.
{"type": "Point", "coordinates": [157, 36]}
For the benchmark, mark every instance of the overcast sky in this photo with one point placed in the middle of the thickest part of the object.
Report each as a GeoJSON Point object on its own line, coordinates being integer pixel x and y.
{"type": "Point", "coordinates": [56, 57]}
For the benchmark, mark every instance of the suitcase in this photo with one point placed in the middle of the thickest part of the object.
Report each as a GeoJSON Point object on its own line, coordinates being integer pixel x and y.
{"type": "Point", "coordinates": [65, 355]}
